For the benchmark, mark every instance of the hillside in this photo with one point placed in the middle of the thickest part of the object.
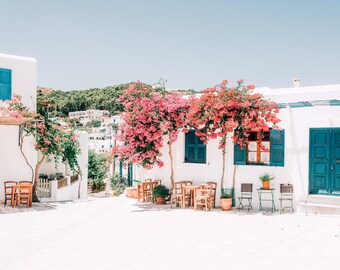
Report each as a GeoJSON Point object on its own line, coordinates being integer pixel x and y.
{"type": "Point", "coordinates": [95, 98]}
{"type": "Point", "coordinates": [80, 100]}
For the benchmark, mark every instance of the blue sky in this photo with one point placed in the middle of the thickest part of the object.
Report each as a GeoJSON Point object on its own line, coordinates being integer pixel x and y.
{"type": "Point", "coordinates": [82, 44]}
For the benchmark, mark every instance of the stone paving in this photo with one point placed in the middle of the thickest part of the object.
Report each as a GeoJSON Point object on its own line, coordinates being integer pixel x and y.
{"type": "Point", "coordinates": [119, 233]}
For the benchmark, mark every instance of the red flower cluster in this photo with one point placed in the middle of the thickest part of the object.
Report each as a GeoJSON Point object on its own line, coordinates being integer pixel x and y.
{"type": "Point", "coordinates": [149, 114]}
{"type": "Point", "coordinates": [222, 109]}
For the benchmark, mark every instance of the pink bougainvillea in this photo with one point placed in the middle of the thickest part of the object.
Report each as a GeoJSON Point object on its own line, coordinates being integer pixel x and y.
{"type": "Point", "coordinates": [148, 116]}
{"type": "Point", "coordinates": [222, 109]}
{"type": "Point", "coordinates": [51, 138]}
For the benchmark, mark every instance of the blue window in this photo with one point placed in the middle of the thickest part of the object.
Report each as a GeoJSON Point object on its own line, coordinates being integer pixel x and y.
{"type": "Point", "coordinates": [252, 154]}
{"type": "Point", "coordinates": [195, 149]}
{"type": "Point", "coordinates": [5, 84]}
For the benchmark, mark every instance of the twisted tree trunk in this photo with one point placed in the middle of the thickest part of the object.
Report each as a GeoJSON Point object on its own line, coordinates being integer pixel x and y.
{"type": "Point", "coordinates": [36, 177]}
{"type": "Point", "coordinates": [23, 154]}
{"type": "Point", "coordinates": [223, 166]}
{"type": "Point", "coordinates": [171, 166]}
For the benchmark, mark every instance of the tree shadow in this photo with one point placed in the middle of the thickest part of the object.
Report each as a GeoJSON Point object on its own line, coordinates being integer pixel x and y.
{"type": "Point", "coordinates": [36, 207]}
{"type": "Point", "coordinates": [149, 206]}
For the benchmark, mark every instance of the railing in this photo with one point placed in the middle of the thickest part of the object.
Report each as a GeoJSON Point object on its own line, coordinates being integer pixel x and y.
{"type": "Point", "coordinates": [43, 188]}
{"type": "Point", "coordinates": [74, 178]}
{"type": "Point", "coordinates": [62, 183]}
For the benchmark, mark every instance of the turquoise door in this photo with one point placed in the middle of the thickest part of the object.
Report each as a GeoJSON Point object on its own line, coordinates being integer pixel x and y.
{"type": "Point", "coordinates": [130, 175]}
{"type": "Point", "coordinates": [324, 164]}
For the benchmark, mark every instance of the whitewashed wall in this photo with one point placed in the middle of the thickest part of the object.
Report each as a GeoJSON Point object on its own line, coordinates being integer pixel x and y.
{"type": "Point", "coordinates": [69, 192]}
{"type": "Point", "coordinates": [24, 83]}
{"type": "Point", "coordinates": [295, 121]}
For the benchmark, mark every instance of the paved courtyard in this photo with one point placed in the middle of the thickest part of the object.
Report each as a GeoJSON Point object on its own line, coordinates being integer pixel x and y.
{"type": "Point", "coordinates": [118, 233]}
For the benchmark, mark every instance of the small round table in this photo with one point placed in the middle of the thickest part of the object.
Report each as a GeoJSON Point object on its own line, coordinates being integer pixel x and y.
{"type": "Point", "coordinates": [266, 195]}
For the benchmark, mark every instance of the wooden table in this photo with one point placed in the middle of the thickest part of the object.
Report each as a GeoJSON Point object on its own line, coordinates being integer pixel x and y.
{"type": "Point", "coordinates": [142, 188]}
{"type": "Point", "coordinates": [192, 190]}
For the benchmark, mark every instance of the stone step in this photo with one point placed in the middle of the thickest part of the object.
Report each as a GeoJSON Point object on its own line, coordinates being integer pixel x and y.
{"type": "Point", "coordinates": [324, 199]}
{"type": "Point", "coordinates": [319, 206]}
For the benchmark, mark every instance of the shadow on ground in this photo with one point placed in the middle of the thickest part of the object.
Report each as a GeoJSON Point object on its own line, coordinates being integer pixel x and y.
{"type": "Point", "coordinates": [148, 206]}
{"type": "Point", "coordinates": [35, 207]}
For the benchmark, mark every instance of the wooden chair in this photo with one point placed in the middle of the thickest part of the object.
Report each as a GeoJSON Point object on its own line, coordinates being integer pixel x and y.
{"type": "Point", "coordinates": [144, 191]}
{"type": "Point", "coordinates": [8, 185]}
{"type": "Point", "coordinates": [204, 197]}
{"type": "Point", "coordinates": [157, 182]}
{"type": "Point", "coordinates": [25, 182]}
{"type": "Point", "coordinates": [286, 194]}
{"type": "Point", "coordinates": [213, 186]}
{"type": "Point", "coordinates": [30, 183]}
{"type": "Point", "coordinates": [188, 196]}
{"type": "Point", "coordinates": [247, 195]}
{"type": "Point", "coordinates": [24, 194]}
{"type": "Point", "coordinates": [176, 196]}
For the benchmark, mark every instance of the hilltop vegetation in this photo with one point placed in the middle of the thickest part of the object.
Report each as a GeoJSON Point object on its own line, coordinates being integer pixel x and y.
{"type": "Point", "coordinates": [96, 98]}
{"type": "Point", "coordinates": [69, 101]}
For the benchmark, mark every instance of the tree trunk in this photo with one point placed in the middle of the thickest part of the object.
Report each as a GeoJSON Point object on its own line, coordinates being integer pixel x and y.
{"type": "Point", "coordinates": [36, 176]}
{"type": "Point", "coordinates": [171, 166]}
{"type": "Point", "coordinates": [113, 165]}
{"type": "Point", "coordinates": [223, 166]}
{"type": "Point", "coordinates": [234, 176]}
{"type": "Point", "coordinates": [22, 152]}
{"type": "Point", "coordinates": [66, 167]}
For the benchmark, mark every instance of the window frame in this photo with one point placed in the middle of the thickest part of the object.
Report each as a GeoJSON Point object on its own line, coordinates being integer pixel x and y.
{"type": "Point", "coordinates": [276, 151]}
{"type": "Point", "coordinates": [196, 147]}
{"type": "Point", "coordinates": [8, 85]}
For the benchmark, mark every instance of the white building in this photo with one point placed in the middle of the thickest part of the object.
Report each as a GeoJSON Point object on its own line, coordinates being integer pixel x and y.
{"type": "Point", "coordinates": [306, 153]}
{"type": "Point", "coordinates": [90, 114]}
{"type": "Point", "coordinates": [101, 138]}
{"type": "Point", "coordinates": [116, 119]}
{"type": "Point", "coordinates": [18, 75]}
{"type": "Point", "coordinates": [71, 185]}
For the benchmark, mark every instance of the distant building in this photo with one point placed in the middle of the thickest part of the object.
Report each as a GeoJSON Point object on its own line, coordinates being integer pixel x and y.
{"type": "Point", "coordinates": [91, 114]}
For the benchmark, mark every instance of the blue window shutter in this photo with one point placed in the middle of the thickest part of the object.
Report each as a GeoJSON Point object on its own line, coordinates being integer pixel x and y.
{"type": "Point", "coordinates": [277, 147]}
{"type": "Point", "coordinates": [239, 155]}
{"type": "Point", "coordinates": [195, 150]}
{"type": "Point", "coordinates": [5, 84]}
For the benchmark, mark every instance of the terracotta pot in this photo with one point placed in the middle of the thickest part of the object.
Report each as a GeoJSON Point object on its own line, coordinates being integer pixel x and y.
{"type": "Point", "coordinates": [266, 184]}
{"type": "Point", "coordinates": [160, 200]}
{"type": "Point", "coordinates": [134, 193]}
{"type": "Point", "coordinates": [129, 192]}
{"type": "Point", "coordinates": [226, 204]}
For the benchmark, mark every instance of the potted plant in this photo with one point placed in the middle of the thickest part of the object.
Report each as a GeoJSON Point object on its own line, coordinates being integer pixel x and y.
{"type": "Point", "coordinates": [226, 201]}
{"type": "Point", "coordinates": [160, 193]}
{"type": "Point", "coordinates": [266, 178]}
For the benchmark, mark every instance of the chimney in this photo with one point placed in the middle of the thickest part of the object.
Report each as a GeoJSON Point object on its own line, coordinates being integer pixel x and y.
{"type": "Point", "coordinates": [296, 82]}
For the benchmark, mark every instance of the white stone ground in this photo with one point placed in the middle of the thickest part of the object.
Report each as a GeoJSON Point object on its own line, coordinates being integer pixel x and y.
{"type": "Point", "coordinates": [118, 233]}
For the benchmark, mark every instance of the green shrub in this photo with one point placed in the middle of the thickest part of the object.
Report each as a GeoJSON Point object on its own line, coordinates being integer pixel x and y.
{"type": "Point", "coordinates": [160, 191]}
{"type": "Point", "coordinates": [97, 185]}
{"type": "Point", "coordinates": [118, 184]}
{"type": "Point", "coordinates": [97, 166]}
